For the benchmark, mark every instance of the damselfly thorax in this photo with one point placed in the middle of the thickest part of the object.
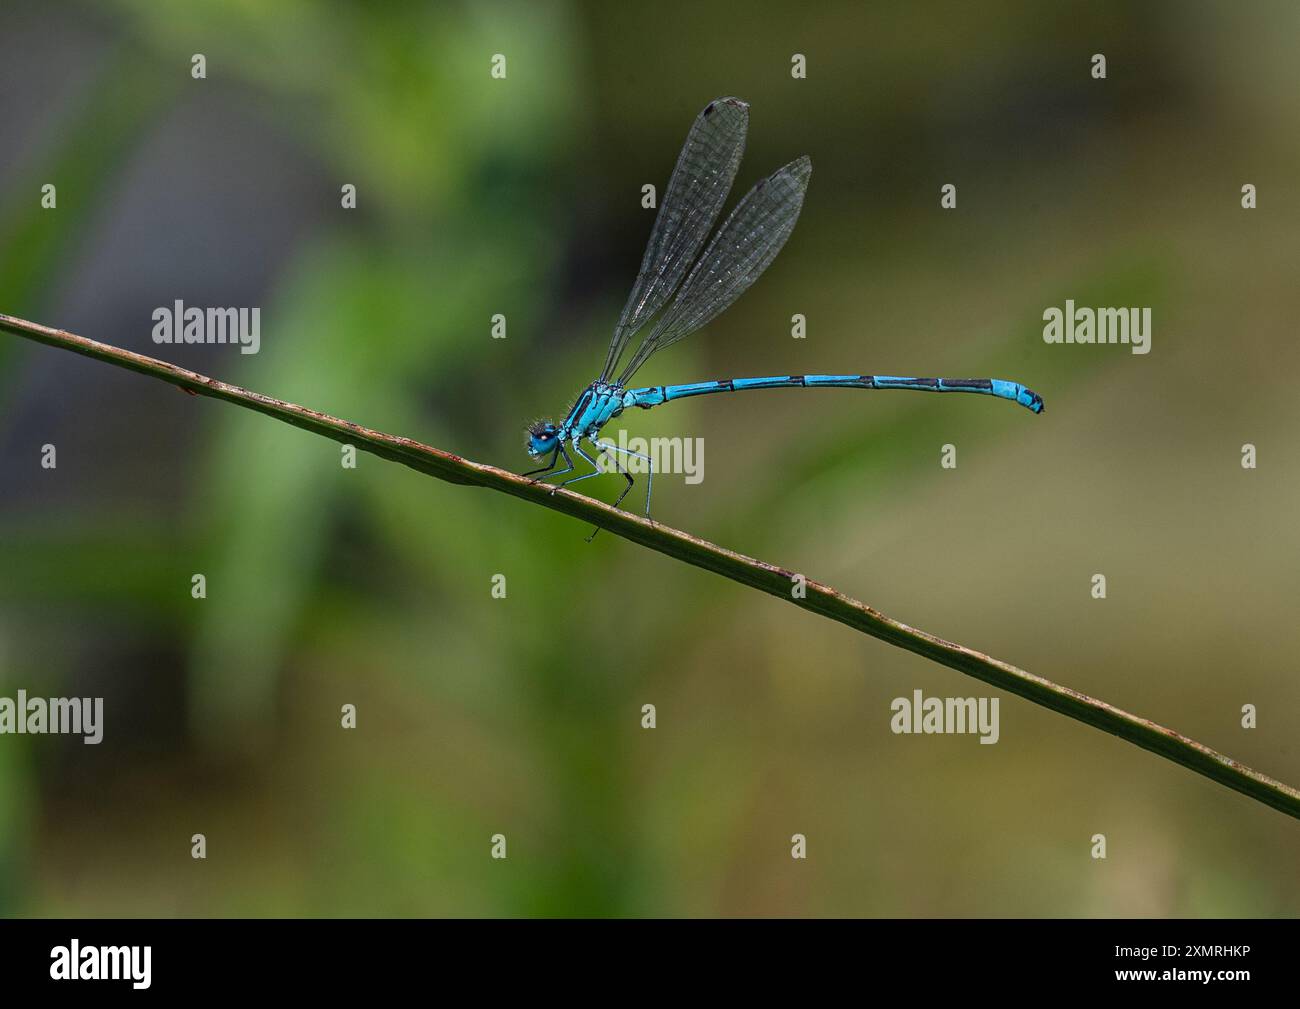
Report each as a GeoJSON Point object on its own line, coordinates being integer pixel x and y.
{"type": "Point", "coordinates": [599, 403]}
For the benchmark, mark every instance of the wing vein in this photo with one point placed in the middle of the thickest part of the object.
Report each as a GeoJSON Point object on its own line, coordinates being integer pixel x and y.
{"type": "Point", "coordinates": [736, 257]}
{"type": "Point", "coordinates": [691, 203]}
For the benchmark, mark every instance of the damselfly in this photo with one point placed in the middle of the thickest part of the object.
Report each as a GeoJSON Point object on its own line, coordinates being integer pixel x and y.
{"type": "Point", "coordinates": [740, 251]}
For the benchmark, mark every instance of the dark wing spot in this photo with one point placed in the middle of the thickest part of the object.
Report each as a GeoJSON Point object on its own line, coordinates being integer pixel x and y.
{"type": "Point", "coordinates": [708, 108]}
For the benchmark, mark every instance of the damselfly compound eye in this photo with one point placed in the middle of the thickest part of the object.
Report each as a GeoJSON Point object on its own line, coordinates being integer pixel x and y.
{"type": "Point", "coordinates": [541, 438]}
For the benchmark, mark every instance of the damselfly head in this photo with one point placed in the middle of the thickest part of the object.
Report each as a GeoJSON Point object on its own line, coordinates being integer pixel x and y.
{"type": "Point", "coordinates": [542, 438]}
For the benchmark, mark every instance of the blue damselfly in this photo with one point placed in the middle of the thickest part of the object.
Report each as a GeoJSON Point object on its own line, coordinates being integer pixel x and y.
{"type": "Point", "coordinates": [741, 250]}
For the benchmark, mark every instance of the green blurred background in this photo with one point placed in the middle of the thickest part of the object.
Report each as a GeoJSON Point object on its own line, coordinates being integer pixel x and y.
{"type": "Point", "coordinates": [522, 716]}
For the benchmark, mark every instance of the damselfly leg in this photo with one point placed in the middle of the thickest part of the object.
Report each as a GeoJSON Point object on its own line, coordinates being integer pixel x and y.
{"type": "Point", "coordinates": [555, 457]}
{"type": "Point", "coordinates": [650, 472]}
{"type": "Point", "coordinates": [600, 447]}
{"type": "Point", "coordinates": [595, 470]}
{"type": "Point", "coordinates": [568, 465]}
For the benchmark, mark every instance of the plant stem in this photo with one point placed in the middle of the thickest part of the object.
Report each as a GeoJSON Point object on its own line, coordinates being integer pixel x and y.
{"type": "Point", "coordinates": [683, 546]}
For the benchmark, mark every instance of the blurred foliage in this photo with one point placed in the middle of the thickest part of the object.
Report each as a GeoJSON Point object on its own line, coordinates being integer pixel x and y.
{"type": "Point", "coordinates": [521, 716]}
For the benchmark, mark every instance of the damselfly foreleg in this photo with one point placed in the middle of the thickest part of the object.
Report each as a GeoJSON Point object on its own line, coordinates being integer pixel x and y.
{"type": "Point", "coordinates": [555, 457]}
{"type": "Point", "coordinates": [595, 470]}
{"type": "Point", "coordinates": [568, 466]}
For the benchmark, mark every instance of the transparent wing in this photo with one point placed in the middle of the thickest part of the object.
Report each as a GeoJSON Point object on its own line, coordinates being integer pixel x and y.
{"type": "Point", "coordinates": [696, 191]}
{"type": "Point", "coordinates": [737, 256]}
